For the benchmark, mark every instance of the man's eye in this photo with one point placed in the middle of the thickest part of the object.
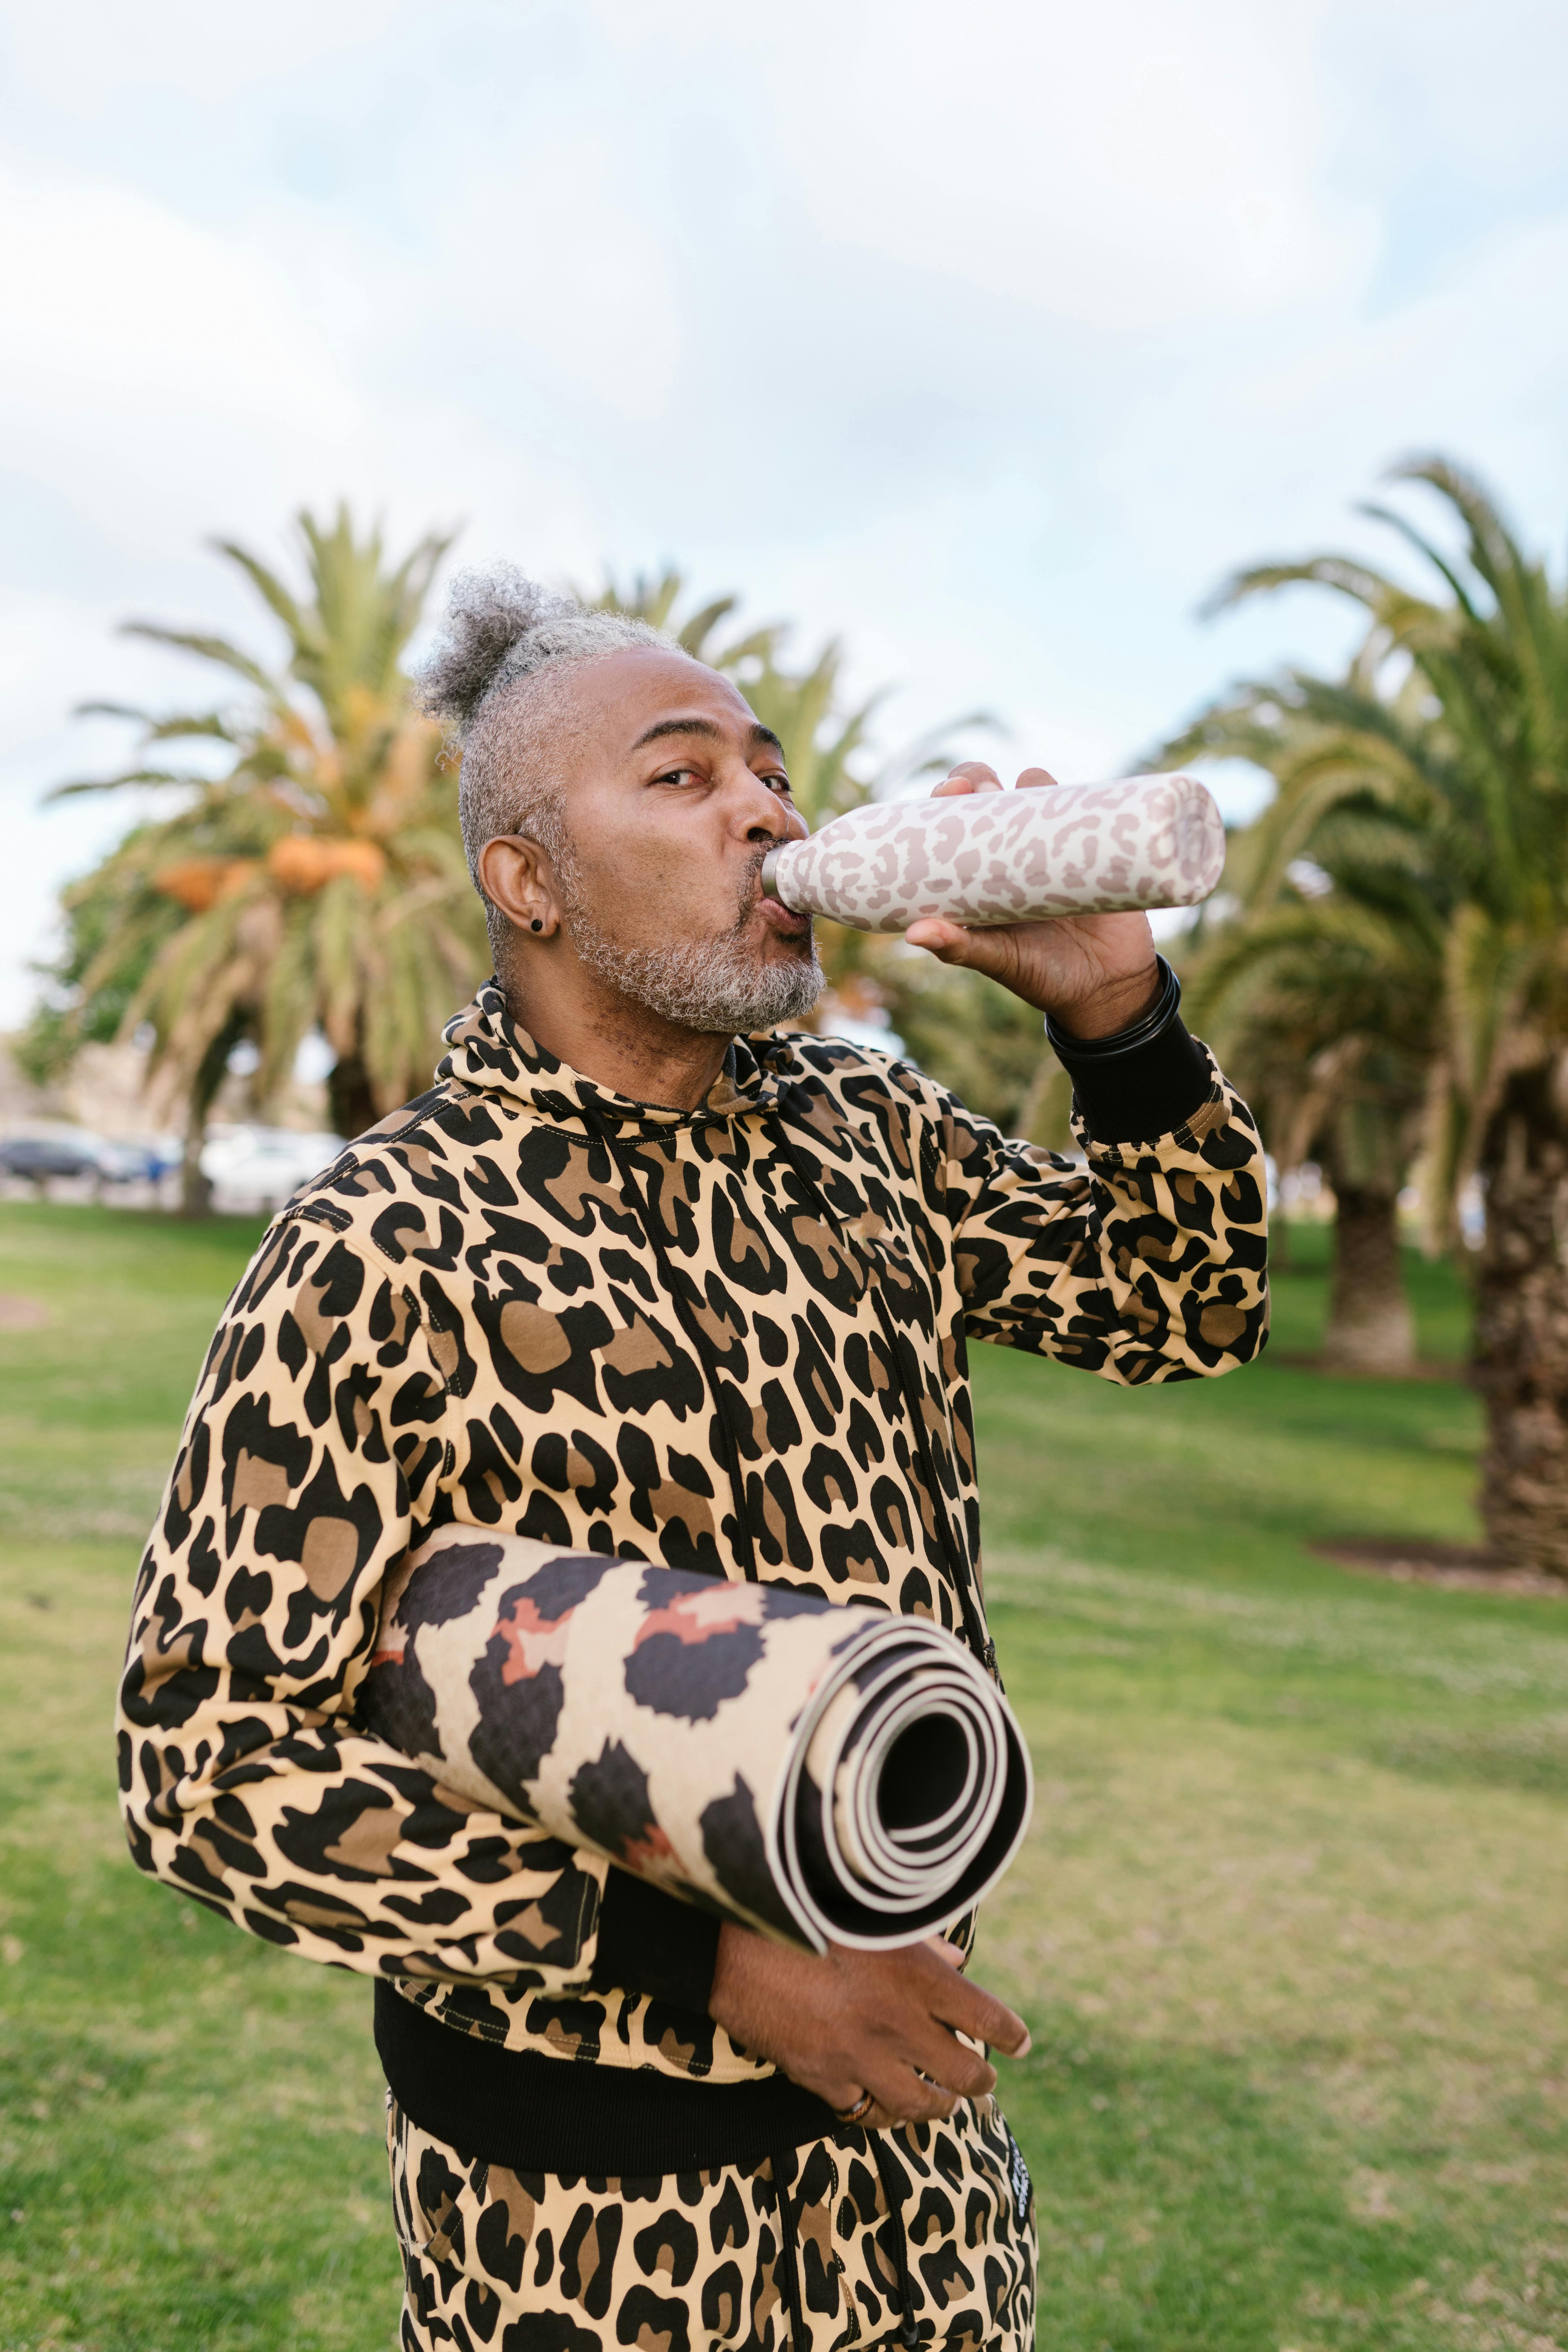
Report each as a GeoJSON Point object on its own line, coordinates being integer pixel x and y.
{"type": "Point", "coordinates": [676, 776]}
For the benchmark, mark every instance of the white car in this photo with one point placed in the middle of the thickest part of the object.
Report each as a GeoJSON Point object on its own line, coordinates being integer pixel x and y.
{"type": "Point", "coordinates": [262, 1167]}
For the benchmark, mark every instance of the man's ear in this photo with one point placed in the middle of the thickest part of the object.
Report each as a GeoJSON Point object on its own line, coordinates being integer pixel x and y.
{"type": "Point", "coordinates": [517, 877]}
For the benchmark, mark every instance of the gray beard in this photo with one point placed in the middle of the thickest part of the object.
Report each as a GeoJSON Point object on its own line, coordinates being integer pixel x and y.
{"type": "Point", "coordinates": [715, 986]}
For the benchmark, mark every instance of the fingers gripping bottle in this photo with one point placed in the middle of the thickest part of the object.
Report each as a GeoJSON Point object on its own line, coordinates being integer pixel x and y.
{"type": "Point", "coordinates": [990, 859]}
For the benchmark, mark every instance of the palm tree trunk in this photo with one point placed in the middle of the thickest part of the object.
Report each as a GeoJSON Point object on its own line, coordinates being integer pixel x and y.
{"type": "Point", "coordinates": [195, 1191]}
{"type": "Point", "coordinates": [1520, 1349]}
{"type": "Point", "coordinates": [348, 1094]}
{"type": "Point", "coordinates": [1370, 1326]}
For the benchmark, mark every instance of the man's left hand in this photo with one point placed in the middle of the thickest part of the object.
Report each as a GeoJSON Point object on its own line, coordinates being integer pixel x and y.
{"type": "Point", "coordinates": [1092, 974]}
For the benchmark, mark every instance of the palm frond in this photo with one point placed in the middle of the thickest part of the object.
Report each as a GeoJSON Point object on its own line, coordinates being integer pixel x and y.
{"type": "Point", "coordinates": [1424, 548]}
{"type": "Point", "coordinates": [206, 648]}
{"type": "Point", "coordinates": [268, 586]}
{"type": "Point", "coordinates": [1347, 575]}
{"type": "Point", "coordinates": [694, 634]}
{"type": "Point", "coordinates": [77, 785]}
{"type": "Point", "coordinates": [1493, 550]}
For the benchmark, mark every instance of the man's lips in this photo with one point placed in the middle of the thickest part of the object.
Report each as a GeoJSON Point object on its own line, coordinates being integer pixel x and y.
{"type": "Point", "coordinates": [782, 920]}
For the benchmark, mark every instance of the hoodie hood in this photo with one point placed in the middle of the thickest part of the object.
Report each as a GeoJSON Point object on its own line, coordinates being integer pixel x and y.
{"type": "Point", "coordinates": [492, 1055]}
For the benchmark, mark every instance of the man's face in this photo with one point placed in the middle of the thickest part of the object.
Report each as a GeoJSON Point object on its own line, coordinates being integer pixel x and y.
{"type": "Point", "coordinates": [673, 794]}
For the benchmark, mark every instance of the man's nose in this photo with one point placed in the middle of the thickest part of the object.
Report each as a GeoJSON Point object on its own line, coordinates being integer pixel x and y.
{"type": "Point", "coordinates": [769, 816]}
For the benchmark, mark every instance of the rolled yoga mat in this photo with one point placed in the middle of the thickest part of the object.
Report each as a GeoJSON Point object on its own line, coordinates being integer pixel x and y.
{"type": "Point", "coordinates": [816, 1772]}
{"type": "Point", "coordinates": [989, 858]}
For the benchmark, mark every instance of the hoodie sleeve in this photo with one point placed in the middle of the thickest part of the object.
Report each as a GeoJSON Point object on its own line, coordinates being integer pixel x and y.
{"type": "Point", "coordinates": [1146, 1262]}
{"type": "Point", "coordinates": [310, 1456]}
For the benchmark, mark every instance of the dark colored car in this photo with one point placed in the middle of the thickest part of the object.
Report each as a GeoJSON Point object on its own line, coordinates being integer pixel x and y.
{"type": "Point", "coordinates": [40, 1156]}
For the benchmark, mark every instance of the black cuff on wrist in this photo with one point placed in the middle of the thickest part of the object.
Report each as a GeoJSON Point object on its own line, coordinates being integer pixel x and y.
{"type": "Point", "coordinates": [1142, 1031]}
{"type": "Point", "coordinates": [649, 1942]}
{"type": "Point", "coordinates": [1142, 1081]}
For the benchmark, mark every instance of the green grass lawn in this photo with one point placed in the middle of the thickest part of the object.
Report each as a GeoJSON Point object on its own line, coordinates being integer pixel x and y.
{"type": "Point", "coordinates": [1291, 1928]}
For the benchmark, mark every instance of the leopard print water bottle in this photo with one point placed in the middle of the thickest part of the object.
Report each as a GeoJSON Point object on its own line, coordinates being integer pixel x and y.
{"type": "Point", "coordinates": [988, 858]}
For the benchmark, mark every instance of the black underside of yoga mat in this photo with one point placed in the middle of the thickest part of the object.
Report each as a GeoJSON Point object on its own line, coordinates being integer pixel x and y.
{"type": "Point", "coordinates": [923, 1773]}
{"type": "Point", "coordinates": [535, 2113]}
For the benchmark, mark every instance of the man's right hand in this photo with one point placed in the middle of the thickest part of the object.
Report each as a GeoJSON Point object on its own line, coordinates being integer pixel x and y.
{"type": "Point", "coordinates": [849, 2023]}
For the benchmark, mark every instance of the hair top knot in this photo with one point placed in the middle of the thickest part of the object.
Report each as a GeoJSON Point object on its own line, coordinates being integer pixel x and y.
{"type": "Point", "coordinates": [502, 626]}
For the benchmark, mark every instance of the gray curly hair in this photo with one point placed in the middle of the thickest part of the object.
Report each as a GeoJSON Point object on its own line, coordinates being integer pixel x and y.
{"type": "Point", "coordinates": [503, 633]}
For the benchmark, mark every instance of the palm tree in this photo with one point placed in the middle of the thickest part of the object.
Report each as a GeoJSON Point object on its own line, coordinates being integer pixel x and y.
{"type": "Point", "coordinates": [1470, 759]}
{"type": "Point", "coordinates": [318, 880]}
{"type": "Point", "coordinates": [1318, 978]}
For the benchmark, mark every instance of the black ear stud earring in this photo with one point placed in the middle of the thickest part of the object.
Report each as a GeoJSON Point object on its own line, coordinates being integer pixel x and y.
{"type": "Point", "coordinates": [536, 925]}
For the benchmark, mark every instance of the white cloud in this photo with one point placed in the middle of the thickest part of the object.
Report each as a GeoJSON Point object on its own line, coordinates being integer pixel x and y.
{"type": "Point", "coordinates": [154, 360]}
{"type": "Point", "coordinates": [546, 255]}
{"type": "Point", "coordinates": [1481, 86]}
{"type": "Point", "coordinates": [1126, 166]}
{"type": "Point", "coordinates": [88, 56]}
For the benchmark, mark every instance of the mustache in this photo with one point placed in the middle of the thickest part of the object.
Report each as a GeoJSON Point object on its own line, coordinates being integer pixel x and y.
{"type": "Point", "coordinates": [751, 889]}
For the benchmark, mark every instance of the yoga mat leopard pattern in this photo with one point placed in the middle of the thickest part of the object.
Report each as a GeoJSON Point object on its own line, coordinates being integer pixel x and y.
{"type": "Point", "coordinates": [989, 858]}
{"type": "Point", "coordinates": [818, 1772]}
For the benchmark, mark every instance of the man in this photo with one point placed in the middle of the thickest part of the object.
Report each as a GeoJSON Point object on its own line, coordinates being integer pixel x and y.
{"type": "Point", "coordinates": [646, 1274]}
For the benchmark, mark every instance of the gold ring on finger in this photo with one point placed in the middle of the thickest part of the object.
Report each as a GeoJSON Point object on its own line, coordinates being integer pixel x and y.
{"type": "Point", "coordinates": [862, 2107]}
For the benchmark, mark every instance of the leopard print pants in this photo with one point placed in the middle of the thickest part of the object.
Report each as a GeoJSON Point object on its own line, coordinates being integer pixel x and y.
{"type": "Point", "coordinates": [924, 2235]}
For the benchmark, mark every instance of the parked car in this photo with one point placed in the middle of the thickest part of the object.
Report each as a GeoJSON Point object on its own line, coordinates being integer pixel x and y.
{"type": "Point", "coordinates": [40, 1156]}
{"type": "Point", "coordinates": [133, 1163]}
{"type": "Point", "coordinates": [264, 1165]}
{"type": "Point", "coordinates": [77, 1151]}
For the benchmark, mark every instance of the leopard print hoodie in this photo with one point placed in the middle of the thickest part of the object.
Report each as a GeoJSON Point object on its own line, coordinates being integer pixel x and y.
{"type": "Point", "coordinates": [732, 1341]}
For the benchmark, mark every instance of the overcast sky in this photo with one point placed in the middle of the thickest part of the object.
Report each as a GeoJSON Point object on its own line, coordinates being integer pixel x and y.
{"type": "Point", "coordinates": [987, 338]}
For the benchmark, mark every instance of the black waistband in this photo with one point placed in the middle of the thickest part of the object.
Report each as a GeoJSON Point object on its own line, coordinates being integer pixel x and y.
{"type": "Point", "coordinates": [535, 2113]}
